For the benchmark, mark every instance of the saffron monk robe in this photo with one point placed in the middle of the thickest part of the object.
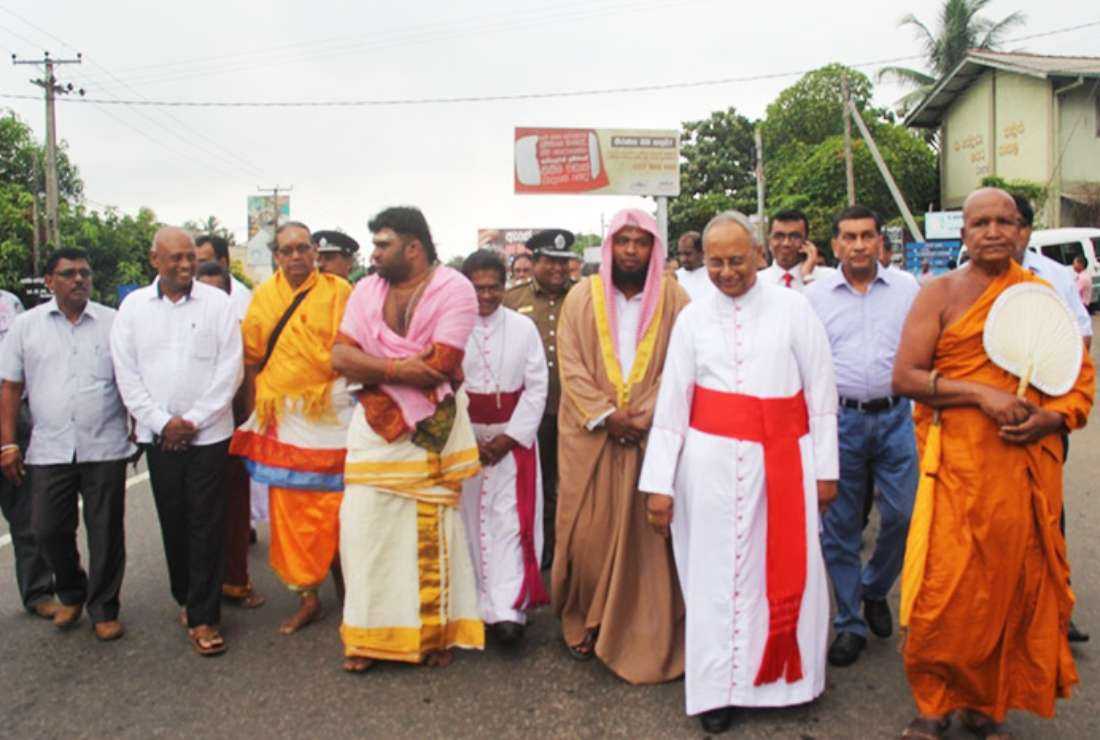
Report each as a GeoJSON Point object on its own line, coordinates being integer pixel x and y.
{"type": "Point", "coordinates": [294, 437]}
{"type": "Point", "coordinates": [613, 579]}
{"type": "Point", "coordinates": [506, 380]}
{"type": "Point", "coordinates": [742, 454]}
{"type": "Point", "coordinates": [411, 589]}
{"type": "Point", "coordinates": [987, 629]}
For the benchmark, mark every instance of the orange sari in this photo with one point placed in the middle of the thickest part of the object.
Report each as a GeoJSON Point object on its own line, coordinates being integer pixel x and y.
{"type": "Point", "coordinates": [988, 626]}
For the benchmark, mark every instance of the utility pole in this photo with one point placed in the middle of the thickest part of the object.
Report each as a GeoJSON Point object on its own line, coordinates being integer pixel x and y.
{"type": "Point", "coordinates": [849, 171]}
{"type": "Point", "coordinates": [275, 204]}
{"type": "Point", "coordinates": [761, 220]}
{"type": "Point", "coordinates": [49, 84]}
{"type": "Point", "coordinates": [899, 200]}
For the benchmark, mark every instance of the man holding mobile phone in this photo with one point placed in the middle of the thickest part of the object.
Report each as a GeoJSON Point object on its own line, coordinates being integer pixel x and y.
{"type": "Point", "coordinates": [795, 256]}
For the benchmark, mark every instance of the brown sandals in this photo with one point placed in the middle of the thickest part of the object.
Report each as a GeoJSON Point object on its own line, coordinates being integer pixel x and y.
{"type": "Point", "coordinates": [206, 640]}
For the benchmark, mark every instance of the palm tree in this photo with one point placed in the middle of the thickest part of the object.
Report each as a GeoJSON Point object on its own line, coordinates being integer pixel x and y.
{"type": "Point", "coordinates": [959, 29]}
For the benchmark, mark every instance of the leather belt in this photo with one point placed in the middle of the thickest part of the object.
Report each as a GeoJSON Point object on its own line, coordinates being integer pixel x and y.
{"type": "Point", "coordinates": [873, 406]}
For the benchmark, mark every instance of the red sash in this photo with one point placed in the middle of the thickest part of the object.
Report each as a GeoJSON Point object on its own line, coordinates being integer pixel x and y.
{"type": "Point", "coordinates": [494, 408]}
{"type": "Point", "coordinates": [777, 424]}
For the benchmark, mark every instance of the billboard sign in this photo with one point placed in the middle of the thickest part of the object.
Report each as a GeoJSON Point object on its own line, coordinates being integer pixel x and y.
{"type": "Point", "coordinates": [582, 161]}
{"type": "Point", "coordinates": [938, 255]}
{"type": "Point", "coordinates": [261, 212]}
{"type": "Point", "coordinates": [506, 241]}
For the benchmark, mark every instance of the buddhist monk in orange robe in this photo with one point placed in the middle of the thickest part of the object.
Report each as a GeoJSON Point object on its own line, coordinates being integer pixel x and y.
{"type": "Point", "coordinates": [988, 626]}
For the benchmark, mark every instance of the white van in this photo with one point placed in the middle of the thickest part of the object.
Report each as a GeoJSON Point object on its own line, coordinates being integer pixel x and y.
{"type": "Point", "coordinates": [1062, 245]}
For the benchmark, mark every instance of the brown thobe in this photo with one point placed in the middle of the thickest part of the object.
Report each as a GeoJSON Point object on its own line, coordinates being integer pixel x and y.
{"type": "Point", "coordinates": [612, 572]}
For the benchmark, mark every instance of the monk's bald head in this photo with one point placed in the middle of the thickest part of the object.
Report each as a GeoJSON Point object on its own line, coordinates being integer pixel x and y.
{"type": "Point", "coordinates": [991, 228]}
{"type": "Point", "coordinates": [173, 256]}
{"type": "Point", "coordinates": [983, 196]}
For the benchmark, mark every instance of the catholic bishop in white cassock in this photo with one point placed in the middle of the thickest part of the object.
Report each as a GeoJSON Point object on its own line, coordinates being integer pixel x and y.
{"type": "Point", "coordinates": [506, 381]}
{"type": "Point", "coordinates": [743, 446]}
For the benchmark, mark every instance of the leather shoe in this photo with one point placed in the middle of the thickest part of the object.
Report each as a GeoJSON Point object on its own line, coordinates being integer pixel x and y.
{"type": "Point", "coordinates": [508, 633]}
{"type": "Point", "coordinates": [716, 721]}
{"type": "Point", "coordinates": [67, 616]}
{"type": "Point", "coordinates": [45, 609]}
{"type": "Point", "coordinates": [1076, 635]}
{"type": "Point", "coordinates": [112, 629]}
{"type": "Point", "coordinates": [878, 617]}
{"type": "Point", "coordinates": [846, 648]}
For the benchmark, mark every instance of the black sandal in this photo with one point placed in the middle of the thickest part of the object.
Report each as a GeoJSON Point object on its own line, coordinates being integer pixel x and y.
{"type": "Point", "coordinates": [980, 725]}
{"type": "Point", "coordinates": [923, 728]}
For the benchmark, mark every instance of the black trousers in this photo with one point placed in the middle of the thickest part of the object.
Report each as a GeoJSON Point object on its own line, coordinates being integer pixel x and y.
{"type": "Point", "coordinates": [32, 573]}
{"type": "Point", "coordinates": [548, 461]}
{"type": "Point", "coordinates": [187, 489]}
{"type": "Point", "coordinates": [102, 486]}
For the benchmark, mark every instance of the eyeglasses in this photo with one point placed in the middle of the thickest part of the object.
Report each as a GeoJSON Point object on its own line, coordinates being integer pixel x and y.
{"type": "Point", "coordinates": [291, 249]}
{"type": "Point", "coordinates": [779, 237]}
{"type": "Point", "coordinates": [70, 273]}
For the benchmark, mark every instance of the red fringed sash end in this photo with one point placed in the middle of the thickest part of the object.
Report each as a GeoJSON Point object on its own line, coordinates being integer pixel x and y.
{"type": "Point", "coordinates": [532, 592]}
{"type": "Point", "coordinates": [782, 659]}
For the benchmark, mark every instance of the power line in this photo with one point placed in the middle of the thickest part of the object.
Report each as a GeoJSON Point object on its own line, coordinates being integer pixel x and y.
{"type": "Point", "coordinates": [215, 155]}
{"type": "Point", "coordinates": [439, 30]}
{"type": "Point", "coordinates": [365, 103]}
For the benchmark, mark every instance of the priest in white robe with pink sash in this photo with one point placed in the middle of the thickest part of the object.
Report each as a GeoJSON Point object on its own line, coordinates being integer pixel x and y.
{"type": "Point", "coordinates": [742, 453]}
{"type": "Point", "coordinates": [506, 381]}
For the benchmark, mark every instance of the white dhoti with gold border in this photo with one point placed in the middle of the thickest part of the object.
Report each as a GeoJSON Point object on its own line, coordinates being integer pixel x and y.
{"type": "Point", "coordinates": [411, 587]}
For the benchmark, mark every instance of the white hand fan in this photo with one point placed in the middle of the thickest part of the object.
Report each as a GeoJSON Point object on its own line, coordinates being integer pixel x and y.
{"type": "Point", "coordinates": [1031, 333]}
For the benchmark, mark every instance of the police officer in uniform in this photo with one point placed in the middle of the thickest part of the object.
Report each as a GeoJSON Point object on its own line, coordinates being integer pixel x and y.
{"type": "Point", "coordinates": [540, 298]}
{"type": "Point", "coordinates": [335, 252]}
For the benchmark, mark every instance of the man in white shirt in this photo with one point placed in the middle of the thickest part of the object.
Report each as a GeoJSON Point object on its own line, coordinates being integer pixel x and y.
{"type": "Point", "coordinates": [59, 354]}
{"type": "Point", "coordinates": [886, 259]}
{"type": "Point", "coordinates": [506, 382]}
{"type": "Point", "coordinates": [691, 273]}
{"type": "Point", "coordinates": [1061, 279]}
{"type": "Point", "coordinates": [176, 346]}
{"type": "Point", "coordinates": [795, 257]}
{"type": "Point", "coordinates": [246, 499]}
{"type": "Point", "coordinates": [741, 457]}
{"type": "Point", "coordinates": [213, 248]}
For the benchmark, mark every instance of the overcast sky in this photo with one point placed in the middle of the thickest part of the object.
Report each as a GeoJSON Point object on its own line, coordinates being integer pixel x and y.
{"type": "Point", "coordinates": [452, 160]}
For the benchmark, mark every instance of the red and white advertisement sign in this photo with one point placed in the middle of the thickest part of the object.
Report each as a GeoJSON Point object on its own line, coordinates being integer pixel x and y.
{"type": "Point", "coordinates": [597, 161]}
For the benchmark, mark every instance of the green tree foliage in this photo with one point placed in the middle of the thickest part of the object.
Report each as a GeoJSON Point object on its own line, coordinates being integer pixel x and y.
{"type": "Point", "coordinates": [811, 178]}
{"type": "Point", "coordinates": [117, 244]}
{"type": "Point", "coordinates": [210, 225]}
{"type": "Point", "coordinates": [716, 171]}
{"type": "Point", "coordinates": [810, 110]}
{"type": "Point", "coordinates": [583, 241]}
{"type": "Point", "coordinates": [959, 27]}
{"type": "Point", "coordinates": [804, 152]}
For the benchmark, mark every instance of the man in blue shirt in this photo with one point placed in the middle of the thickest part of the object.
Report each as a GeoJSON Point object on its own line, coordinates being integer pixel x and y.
{"type": "Point", "coordinates": [863, 308]}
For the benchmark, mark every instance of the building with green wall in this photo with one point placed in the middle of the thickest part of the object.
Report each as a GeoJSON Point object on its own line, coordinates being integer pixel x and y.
{"type": "Point", "coordinates": [1020, 117]}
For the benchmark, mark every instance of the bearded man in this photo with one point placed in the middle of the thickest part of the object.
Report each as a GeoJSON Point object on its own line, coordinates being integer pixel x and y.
{"type": "Point", "coordinates": [614, 582]}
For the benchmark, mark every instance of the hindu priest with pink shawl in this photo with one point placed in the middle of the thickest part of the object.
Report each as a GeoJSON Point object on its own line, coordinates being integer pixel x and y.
{"type": "Point", "coordinates": [614, 581]}
{"type": "Point", "coordinates": [411, 588]}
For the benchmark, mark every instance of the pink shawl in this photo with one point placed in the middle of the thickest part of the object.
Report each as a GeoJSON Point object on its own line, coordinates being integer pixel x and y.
{"type": "Point", "coordinates": [445, 314]}
{"type": "Point", "coordinates": [652, 290]}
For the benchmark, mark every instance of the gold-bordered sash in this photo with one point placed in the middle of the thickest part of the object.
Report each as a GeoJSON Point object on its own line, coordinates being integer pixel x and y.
{"type": "Point", "coordinates": [642, 356]}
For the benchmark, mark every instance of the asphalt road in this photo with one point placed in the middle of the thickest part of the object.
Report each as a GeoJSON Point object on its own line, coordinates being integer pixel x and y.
{"type": "Point", "coordinates": [151, 684]}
